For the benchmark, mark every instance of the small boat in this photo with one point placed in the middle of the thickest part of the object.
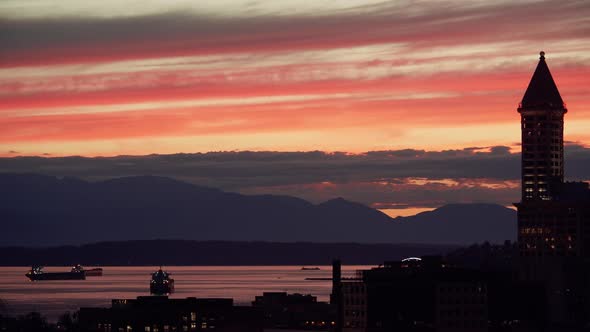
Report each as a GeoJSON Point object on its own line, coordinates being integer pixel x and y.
{"type": "Point", "coordinates": [161, 283]}
{"type": "Point", "coordinates": [95, 272]}
{"type": "Point", "coordinates": [310, 268]}
{"type": "Point", "coordinates": [36, 273]}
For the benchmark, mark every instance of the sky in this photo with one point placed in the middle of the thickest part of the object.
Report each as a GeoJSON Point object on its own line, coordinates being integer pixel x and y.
{"type": "Point", "coordinates": [344, 78]}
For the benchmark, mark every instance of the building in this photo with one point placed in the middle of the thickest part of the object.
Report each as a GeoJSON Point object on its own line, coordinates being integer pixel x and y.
{"type": "Point", "coordinates": [428, 294]}
{"type": "Point", "coordinates": [161, 314]}
{"type": "Point", "coordinates": [349, 299]}
{"type": "Point", "coordinates": [354, 302]}
{"type": "Point", "coordinates": [425, 295]}
{"type": "Point", "coordinates": [553, 215]}
{"type": "Point", "coordinates": [295, 311]}
{"type": "Point", "coordinates": [414, 295]}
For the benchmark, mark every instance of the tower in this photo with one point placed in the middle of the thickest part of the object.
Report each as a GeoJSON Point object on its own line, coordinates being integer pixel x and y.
{"type": "Point", "coordinates": [541, 113]}
{"type": "Point", "coordinates": [553, 215]}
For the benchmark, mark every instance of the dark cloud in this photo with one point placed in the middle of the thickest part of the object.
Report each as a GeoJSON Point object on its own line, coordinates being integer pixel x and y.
{"type": "Point", "coordinates": [500, 150]}
{"type": "Point", "coordinates": [413, 177]}
{"type": "Point", "coordinates": [432, 24]}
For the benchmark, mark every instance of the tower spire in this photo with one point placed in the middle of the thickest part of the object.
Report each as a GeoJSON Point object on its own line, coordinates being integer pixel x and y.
{"type": "Point", "coordinates": [542, 92]}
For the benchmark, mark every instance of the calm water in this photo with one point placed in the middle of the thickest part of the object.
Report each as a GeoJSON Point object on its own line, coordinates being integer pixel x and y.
{"type": "Point", "coordinates": [19, 295]}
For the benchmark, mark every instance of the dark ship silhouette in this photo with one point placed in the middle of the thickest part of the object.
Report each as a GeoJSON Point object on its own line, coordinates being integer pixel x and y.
{"type": "Point", "coordinates": [37, 273]}
{"type": "Point", "coordinates": [94, 272]}
{"type": "Point", "coordinates": [303, 268]}
{"type": "Point", "coordinates": [161, 283]}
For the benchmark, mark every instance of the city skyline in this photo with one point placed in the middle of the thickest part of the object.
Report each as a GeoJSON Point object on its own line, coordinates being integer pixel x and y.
{"type": "Point", "coordinates": [242, 145]}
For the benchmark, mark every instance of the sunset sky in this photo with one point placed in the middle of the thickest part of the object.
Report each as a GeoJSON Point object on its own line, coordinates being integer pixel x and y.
{"type": "Point", "coordinates": [112, 77]}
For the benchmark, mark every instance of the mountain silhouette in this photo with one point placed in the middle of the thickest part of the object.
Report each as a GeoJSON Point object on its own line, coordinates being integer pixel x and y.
{"type": "Point", "coordinates": [39, 210]}
{"type": "Point", "coordinates": [462, 223]}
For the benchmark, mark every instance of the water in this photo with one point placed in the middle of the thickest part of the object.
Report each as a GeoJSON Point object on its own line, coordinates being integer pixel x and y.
{"type": "Point", "coordinates": [242, 283]}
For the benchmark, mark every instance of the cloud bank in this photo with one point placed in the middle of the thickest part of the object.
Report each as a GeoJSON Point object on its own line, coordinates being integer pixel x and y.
{"type": "Point", "coordinates": [389, 179]}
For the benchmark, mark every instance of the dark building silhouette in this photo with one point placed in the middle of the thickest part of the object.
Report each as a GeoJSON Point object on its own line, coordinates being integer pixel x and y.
{"type": "Point", "coordinates": [32, 322]}
{"type": "Point", "coordinates": [354, 305]}
{"type": "Point", "coordinates": [161, 314]}
{"type": "Point", "coordinates": [553, 215]}
{"type": "Point", "coordinates": [427, 294]}
{"type": "Point", "coordinates": [336, 296]}
{"type": "Point", "coordinates": [295, 311]}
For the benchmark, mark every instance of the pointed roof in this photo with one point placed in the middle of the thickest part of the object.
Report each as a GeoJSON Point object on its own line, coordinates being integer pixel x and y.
{"type": "Point", "coordinates": [542, 91]}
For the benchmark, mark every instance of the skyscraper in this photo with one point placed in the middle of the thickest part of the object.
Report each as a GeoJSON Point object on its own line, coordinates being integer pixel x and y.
{"type": "Point", "coordinates": [553, 215]}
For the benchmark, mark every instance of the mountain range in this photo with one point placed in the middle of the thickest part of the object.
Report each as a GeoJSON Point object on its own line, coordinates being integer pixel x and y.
{"type": "Point", "coordinates": [40, 210]}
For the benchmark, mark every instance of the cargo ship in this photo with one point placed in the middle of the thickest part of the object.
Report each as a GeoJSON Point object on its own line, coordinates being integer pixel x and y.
{"type": "Point", "coordinates": [95, 272]}
{"type": "Point", "coordinates": [161, 283]}
{"type": "Point", "coordinates": [36, 273]}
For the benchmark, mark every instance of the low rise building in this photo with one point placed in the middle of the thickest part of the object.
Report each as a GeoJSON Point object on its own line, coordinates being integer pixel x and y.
{"type": "Point", "coordinates": [161, 314]}
{"type": "Point", "coordinates": [295, 311]}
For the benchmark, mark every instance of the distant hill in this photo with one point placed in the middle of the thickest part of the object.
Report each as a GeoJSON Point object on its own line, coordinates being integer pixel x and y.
{"type": "Point", "coordinates": [38, 210]}
{"type": "Point", "coordinates": [182, 252]}
{"type": "Point", "coordinates": [461, 223]}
